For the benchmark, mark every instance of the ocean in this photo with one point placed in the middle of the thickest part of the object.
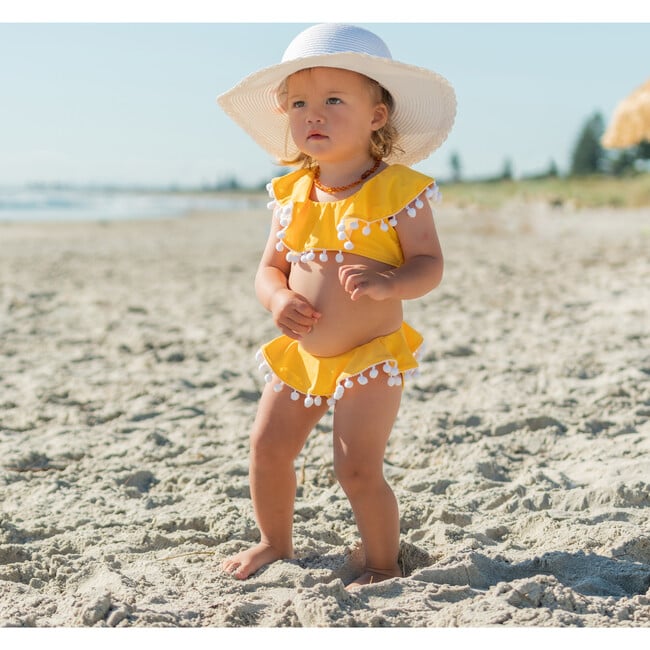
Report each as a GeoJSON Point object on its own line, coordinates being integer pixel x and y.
{"type": "Point", "coordinates": [38, 204]}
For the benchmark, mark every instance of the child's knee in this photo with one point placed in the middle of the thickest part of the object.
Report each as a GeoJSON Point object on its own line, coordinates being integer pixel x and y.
{"type": "Point", "coordinates": [355, 477]}
{"type": "Point", "coordinates": [263, 447]}
{"type": "Point", "coordinates": [270, 447]}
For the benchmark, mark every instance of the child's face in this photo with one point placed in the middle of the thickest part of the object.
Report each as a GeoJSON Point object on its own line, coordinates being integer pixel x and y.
{"type": "Point", "coordinates": [332, 113]}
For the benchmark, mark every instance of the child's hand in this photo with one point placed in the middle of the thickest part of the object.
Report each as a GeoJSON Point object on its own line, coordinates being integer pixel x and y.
{"type": "Point", "coordinates": [292, 314]}
{"type": "Point", "coordinates": [359, 280]}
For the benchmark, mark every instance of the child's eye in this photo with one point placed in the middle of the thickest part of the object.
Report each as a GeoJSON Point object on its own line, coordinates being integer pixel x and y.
{"type": "Point", "coordinates": [333, 100]}
{"type": "Point", "coordinates": [299, 103]}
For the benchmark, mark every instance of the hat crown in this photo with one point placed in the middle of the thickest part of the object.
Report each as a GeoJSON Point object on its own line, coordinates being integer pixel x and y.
{"type": "Point", "coordinates": [333, 39]}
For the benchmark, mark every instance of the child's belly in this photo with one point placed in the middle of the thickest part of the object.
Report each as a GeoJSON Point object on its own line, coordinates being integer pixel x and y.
{"type": "Point", "coordinates": [344, 323]}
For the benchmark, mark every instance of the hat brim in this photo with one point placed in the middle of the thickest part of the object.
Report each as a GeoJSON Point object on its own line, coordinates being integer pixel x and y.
{"type": "Point", "coordinates": [425, 103]}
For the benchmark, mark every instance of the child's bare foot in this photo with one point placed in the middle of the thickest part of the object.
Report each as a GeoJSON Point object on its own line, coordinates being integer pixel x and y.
{"type": "Point", "coordinates": [372, 576]}
{"type": "Point", "coordinates": [244, 564]}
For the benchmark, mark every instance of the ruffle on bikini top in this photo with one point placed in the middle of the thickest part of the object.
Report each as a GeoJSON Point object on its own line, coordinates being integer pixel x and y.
{"type": "Point", "coordinates": [363, 224]}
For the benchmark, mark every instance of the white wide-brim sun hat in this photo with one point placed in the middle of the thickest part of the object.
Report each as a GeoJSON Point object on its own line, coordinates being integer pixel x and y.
{"type": "Point", "coordinates": [425, 102]}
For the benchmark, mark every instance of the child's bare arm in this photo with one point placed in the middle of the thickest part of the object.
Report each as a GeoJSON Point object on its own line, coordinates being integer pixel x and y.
{"type": "Point", "coordinates": [292, 313]}
{"type": "Point", "coordinates": [420, 273]}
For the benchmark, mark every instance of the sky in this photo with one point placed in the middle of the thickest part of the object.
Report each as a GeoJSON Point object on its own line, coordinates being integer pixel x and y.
{"type": "Point", "coordinates": [127, 96]}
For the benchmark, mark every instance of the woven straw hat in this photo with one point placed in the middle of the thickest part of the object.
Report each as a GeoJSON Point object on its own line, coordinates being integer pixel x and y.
{"type": "Point", "coordinates": [425, 102]}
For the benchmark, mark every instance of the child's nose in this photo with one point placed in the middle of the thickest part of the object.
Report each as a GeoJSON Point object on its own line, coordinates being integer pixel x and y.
{"type": "Point", "coordinates": [314, 116]}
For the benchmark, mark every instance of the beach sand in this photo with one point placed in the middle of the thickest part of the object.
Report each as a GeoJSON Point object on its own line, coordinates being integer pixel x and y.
{"type": "Point", "coordinates": [520, 459]}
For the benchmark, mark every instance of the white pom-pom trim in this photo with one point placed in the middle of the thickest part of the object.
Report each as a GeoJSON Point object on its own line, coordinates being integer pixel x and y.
{"type": "Point", "coordinates": [389, 367]}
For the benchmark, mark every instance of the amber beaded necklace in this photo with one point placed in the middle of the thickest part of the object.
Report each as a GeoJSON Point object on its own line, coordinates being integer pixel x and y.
{"type": "Point", "coordinates": [342, 188]}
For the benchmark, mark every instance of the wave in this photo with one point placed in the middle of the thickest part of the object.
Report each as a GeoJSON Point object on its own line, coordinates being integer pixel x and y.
{"type": "Point", "coordinates": [70, 204]}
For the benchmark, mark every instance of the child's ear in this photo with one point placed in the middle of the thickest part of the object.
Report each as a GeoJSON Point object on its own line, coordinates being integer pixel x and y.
{"type": "Point", "coordinates": [380, 117]}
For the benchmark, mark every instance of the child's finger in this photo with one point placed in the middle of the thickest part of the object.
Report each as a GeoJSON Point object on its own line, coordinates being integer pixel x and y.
{"type": "Point", "coordinates": [346, 270]}
{"type": "Point", "coordinates": [359, 290]}
{"type": "Point", "coordinates": [352, 279]}
{"type": "Point", "coordinates": [305, 309]}
{"type": "Point", "coordinates": [298, 323]}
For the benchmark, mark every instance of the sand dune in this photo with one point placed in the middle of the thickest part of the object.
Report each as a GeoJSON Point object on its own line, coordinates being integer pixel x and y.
{"type": "Point", "coordinates": [521, 457]}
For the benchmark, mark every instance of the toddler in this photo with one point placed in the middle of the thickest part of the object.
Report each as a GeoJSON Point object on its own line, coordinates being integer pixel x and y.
{"type": "Point", "coordinates": [352, 236]}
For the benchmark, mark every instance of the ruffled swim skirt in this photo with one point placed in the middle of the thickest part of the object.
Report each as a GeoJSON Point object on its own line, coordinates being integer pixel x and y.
{"type": "Point", "coordinates": [316, 378]}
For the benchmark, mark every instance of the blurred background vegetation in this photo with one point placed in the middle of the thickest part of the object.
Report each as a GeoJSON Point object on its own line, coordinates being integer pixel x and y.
{"type": "Point", "coordinates": [596, 177]}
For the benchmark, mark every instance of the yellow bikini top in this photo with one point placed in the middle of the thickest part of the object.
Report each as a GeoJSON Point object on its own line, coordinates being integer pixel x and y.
{"type": "Point", "coordinates": [363, 223]}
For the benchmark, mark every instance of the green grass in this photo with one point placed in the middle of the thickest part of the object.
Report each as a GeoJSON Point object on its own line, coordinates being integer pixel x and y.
{"type": "Point", "coordinates": [579, 192]}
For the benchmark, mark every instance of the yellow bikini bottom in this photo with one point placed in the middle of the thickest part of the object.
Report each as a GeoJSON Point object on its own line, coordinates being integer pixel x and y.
{"type": "Point", "coordinates": [327, 377]}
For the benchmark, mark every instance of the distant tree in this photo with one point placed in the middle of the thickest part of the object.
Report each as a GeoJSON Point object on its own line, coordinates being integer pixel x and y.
{"type": "Point", "coordinates": [456, 167]}
{"type": "Point", "coordinates": [230, 184]}
{"type": "Point", "coordinates": [552, 170]}
{"type": "Point", "coordinates": [588, 155]}
{"type": "Point", "coordinates": [506, 174]}
{"type": "Point", "coordinates": [630, 160]}
{"type": "Point", "coordinates": [623, 163]}
{"type": "Point", "coordinates": [643, 150]}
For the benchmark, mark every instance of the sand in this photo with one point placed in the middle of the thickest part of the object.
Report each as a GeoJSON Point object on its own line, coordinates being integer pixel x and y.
{"type": "Point", "coordinates": [520, 459]}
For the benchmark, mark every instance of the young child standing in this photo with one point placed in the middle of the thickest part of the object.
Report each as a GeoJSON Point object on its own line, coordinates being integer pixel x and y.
{"type": "Point", "coordinates": [352, 236]}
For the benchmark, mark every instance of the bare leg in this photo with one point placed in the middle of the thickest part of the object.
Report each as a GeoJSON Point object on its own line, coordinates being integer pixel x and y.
{"type": "Point", "coordinates": [279, 433]}
{"type": "Point", "coordinates": [363, 420]}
